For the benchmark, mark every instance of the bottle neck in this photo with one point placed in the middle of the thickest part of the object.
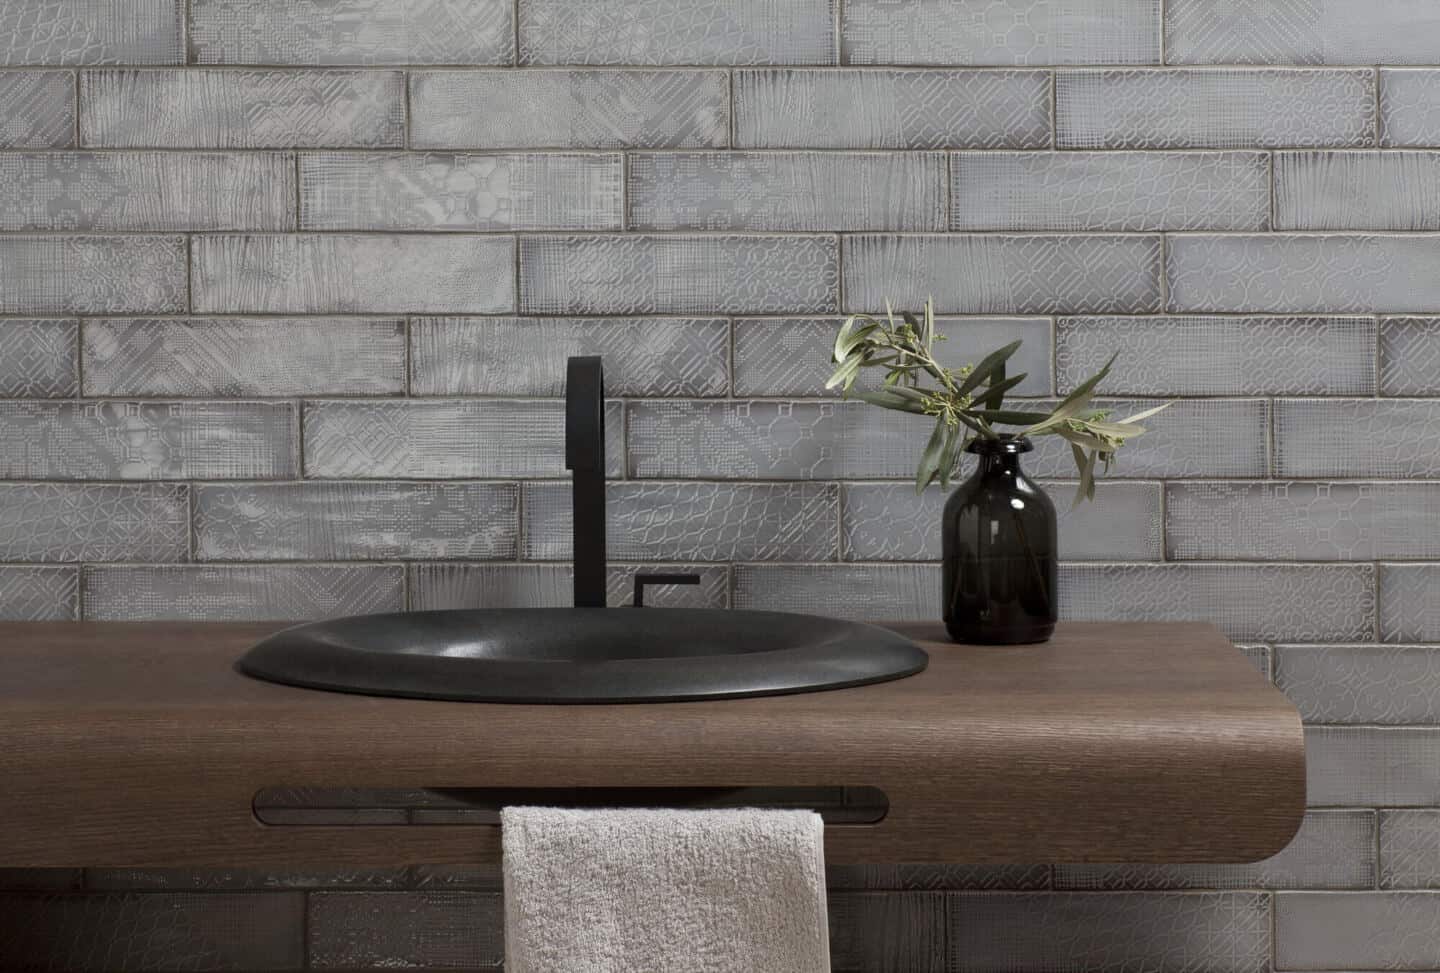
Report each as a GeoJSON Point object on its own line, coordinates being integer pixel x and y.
{"type": "Point", "coordinates": [999, 464]}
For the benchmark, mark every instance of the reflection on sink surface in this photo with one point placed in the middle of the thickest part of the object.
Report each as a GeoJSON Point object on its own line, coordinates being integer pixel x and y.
{"type": "Point", "coordinates": [583, 655]}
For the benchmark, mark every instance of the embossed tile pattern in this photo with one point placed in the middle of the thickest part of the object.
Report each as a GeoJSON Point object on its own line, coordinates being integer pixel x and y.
{"type": "Point", "coordinates": [30, 594]}
{"type": "Point", "coordinates": [438, 586]}
{"type": "Point", "coordinates": [1357, 437]}
{"type": "Point", "coordinates": [1410, 602]}
{"type": "Point", "coordinates": [1381, 930]}
{"type": "Point", "coordinates": [1410, 849]}
{"type": "Point", "coordinates": [1409, 107]}
{"type": "Point", "coordinates": [1410, 356]}
{"type": "Point", "coordinates": [887, 932]}
{"type": "Point", "coordinates": [92, 275]}
{"type": "Point", "coordinates": [384, 930]}
{"type": "Point", "coordinates": [38, 358]}
{"type": "Point", "coordinates": [241, 593]}
{"type": "Point", "coordinates": [37, 109]}
{"type": "Point", "coordinates": [1392, 766]}
{"type": "Point", "coordinates": [93, 522]}
{"type": "Point", "coordinates": [1388, 684]}
{"type": "Point", "coordinates": [938, 878]}
{"type": "Point", "coordinates": [70, 32]}
{"type": "Point", "coordinates": [1306, 32]}
{"type": "Point", "coordinates": [1357, 190]}
{"type": "Point", "coordinates": [857, 591]}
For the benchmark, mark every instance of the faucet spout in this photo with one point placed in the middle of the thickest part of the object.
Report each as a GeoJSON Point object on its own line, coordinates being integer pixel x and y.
{"type": "Point", "coordinates": [585, 458]}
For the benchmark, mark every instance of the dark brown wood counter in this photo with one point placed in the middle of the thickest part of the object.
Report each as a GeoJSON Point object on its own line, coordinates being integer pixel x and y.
{"type": "Point", "coordinates": [139, 745]}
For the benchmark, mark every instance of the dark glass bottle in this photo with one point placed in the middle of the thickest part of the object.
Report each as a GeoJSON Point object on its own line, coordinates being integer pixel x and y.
{"type": "Point", "coordinates": [999, 551]}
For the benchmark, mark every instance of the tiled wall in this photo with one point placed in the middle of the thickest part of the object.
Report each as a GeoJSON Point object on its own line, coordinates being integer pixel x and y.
{"type": "Point", "coordinates": [287, 287]}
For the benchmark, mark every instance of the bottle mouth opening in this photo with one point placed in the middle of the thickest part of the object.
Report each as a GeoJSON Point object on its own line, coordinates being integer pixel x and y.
{"type": "Point", "coordinates": [1008, 444]}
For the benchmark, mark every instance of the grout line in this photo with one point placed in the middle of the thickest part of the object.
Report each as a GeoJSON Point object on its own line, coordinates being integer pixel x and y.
{"type": "Point", "coordinates": [75, 122]}
{"type": "Point", "coordinates": [1163, 13]}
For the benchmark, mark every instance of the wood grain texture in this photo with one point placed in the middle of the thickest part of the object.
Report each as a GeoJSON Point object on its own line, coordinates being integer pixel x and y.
{"type": "Point", "coordinates": [1142, 742]}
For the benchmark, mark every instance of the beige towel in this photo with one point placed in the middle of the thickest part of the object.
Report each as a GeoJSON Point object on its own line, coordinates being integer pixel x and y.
{"type": "Point", "coordinates": [656, 891]}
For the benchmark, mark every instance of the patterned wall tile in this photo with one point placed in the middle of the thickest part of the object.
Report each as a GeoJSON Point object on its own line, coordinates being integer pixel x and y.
{"type": "Point", "coordinates": [241, 109]}
{"type": "Point", "coordinates": [1213, 108]}
{"type": "Point", "coordinates": [1357, 437]}
{"type": "Point", "coordinates": [238, 593]}
{"type": "Point", "coordinates": [445, 438]}
{"type": "Point", "coordinates": [436, 586]}
{"type": "Point", "coordinates": [1371, 930]}
{"type": "Point", "coordinates": [1358, 766]}
{"type": "Point", "coordinates": [1004, 274]}
{"type": "Point", "coordinates": [791, 356]}
{"type": "Point", "coordinates": [241, 879]}
{"type": "Point", "coordinates": [349, 273]}
{"type": "Point", "coordinates": [94, 522]}
{"type": "Point", "coordinates": [873, 932]}
{"type": "Point", "coordinates": [857, 591]}
{"type": "Point", "coordinates": [694, 521]}
{"type": "Point", "coordinates": [1388, 684]}
{"type": "Point", "coordinates": [540, 109]}
{"type": "Point", "coordinates": [38, 358]}
{"type": "Point", "coordinates": [681, 274]}
{"type": "Point", "coordinates": [37, 109]}
{"type": "Point", "coordinates": [1211, 355]}
{"type": "Point", "coordinates": [1410, 356]}
{"type": "Point", "coordinates": [352, 32]}
{"type": "Point", "coordinates": [526, 356]}
{"type": "Point", "coordinates": [1001, 32]}
{"type": "Point", "coordinates": [146, 440]}
{"type": "Point", "coordinates": [446, 191]}
{"type": "Point", "coordinates": [384, 930]}
{"type": "Point", "coordinates": [1357, 190]}
{"type": "Point", "coordinates": [677, 32]}
{"type": "Point", "coordinates": [938, 878]}
{"type": "Point", "coordinates": [892, 109]}
{"type": "Point", "coordinates": [364, 521]}
{"type": "Point", "coordinates": [39, 594]}
{"type": "Point", "coordinates": [1410, 849]}
{"type": "Point", "coordinates": [1410, 602]}
{"type": "Point", "coordinates": [92, 275]}
{"type": "Point", "coordinates": [797, 191]}
{"type": "Point", "coordinates": [1309, 32]}
{"type": "Point", "coordinates": [1259, 655]}
{"type": "Point", "coordinates": [66, 32]}
{"type": "Point", "coordinates": [1409, 107]}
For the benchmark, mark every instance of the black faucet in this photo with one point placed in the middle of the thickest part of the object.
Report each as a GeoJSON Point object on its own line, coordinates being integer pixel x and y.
{"type": "Point", "coordinates": [585, 458]}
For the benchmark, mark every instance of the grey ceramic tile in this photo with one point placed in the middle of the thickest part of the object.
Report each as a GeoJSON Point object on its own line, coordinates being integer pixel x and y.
{"type": "Point", "coordinates": [256, 109]}
{"type": "Point", "coordinates": [677, 32]}
{"type": "Point", "coordinates": [1357, 190]}
{"type": "Point", "coordinates": [1109, 191]}
{"type": "Point", "coordinates": [352, 32]}
{"type": "Point", "coordinates": [892, 109]}
{"type": "Point", "coordinates": [429, 929]}
{"type": "Point", "coordinates": [595, 109]}
{"type": "Point", "coordinates": [791, 356]}
{"type": "Point", "coordinates": [244, 356]}
{"type": "Point", "coordinates": [251, 592]}
{"type": "Point", "coordinates": [93, 522]}
{"type": "Point", "coordinates": [38, 358]}
{"type": "Point", "coordinates": [142, 932]}
{"type": "Point", "coordinates": [1350, 931]}
{"type": "Point", "coordinates": [1314, 32]}
{"type": "Point", "coordinates": [642, 274]}
{"type": "Point", "coordinates": [889, 522]}
{"type": "Point", "coordinates": [1409, 107]}
{"type": "Point", "coordinates": [1260, 656]}
{"type": "Point", "coordinates": [1212, 355]}
{"type": "Point", "coordinates": [1410, 849]}
{"type": "Point", "coordinates": [797, 191]}
{"type": "Point", "coordinates": [30, 594]}
{"type": "Point", "coordinates": [1333, 850]}
{"type": "Point", "coordinates": [1359, 766]}
{"type": "Point", "coordinates": [526, 356]}
{"type": "Point", "coordinates": [364, 521]}
{"type": "Point", "coordinates": [349, 273]}
{"type": "Point", "coordinates": [1410, 356]}
{"type": "Point", "coordinates": [1385, 684]}
{"type": "Point", "coordinates": [146, 440]}
{"type": "Point", "coordinates": [444, 438]}
{"type": "Point", "coordinates": [1009, 32]}
{"type": "Point", "coordinates": [1004, 274]}
{"type": "Point", "coordinates": [92, 274]}
{"type": "Point", "coordinates": [67, 32]}
{"type": "Point", "coordinates": [1303, 273]}
{"type": "Point", "coordinates": [1357, 437]}
{"type": "Point", "coordinates": [1062, 932]}
{"type": "Point", "coordinates": [695, 521]}
{"type": "Point", "coordinates": [897, 932]}
{"type": "Point", "coordinates": [856, 591]}
{"type": "Point", "coordinates": [437, 586]}
{"type": "Point", "coordinates": [1410, 602]}
{"type": "Point", "coordinates": [448, 191]}
{"type": "Point", "coordinates": [37, 109]}
{"type": "Point", "coordinates": [938, 878]}
{"type": "Point", "coordinates": [1220, 108]}
{"type": "Point", "coordinates": [1280, 521]}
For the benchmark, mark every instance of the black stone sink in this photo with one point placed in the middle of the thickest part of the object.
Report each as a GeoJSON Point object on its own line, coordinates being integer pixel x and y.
{"type": "Point", "coordinates": [583, 655]}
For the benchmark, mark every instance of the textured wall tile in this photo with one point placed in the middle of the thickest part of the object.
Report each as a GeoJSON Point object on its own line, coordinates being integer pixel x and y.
{"type": "Point", "coordinates": [858, 591]}
{"type": "Point", "coordinates": [786, 191]}
{"type": "Point", "coordinates": [694, 521]}
{"type": "Point", "coordinates": [1365, 766]}
{"type": "Point", "coordinates": [526, 356]}
{"type": "Point", "coordinates": [352, 31]}
{"type": "Point", "coordinates": [38, 358]}
{"type": "Point", "coordinates": [1216, 109]}
{"type": "Point", "coordinates": [1311, 32]}
{"type": "Point", "coordinates": [1357, 437]}
{"type": "Point", "coordinates": [316, 273]}
{"type": "Point", "coordinates": [434, 930]}
{"type": "Point", "coordinates": [1333, 850]}
{"type": "Point", "coordinates": [444, 438]}
{"type": "Point", "coordinates": [1109, 191]}
{"type": "Point", "coordinates": [892, 109]}
{"type": "Point", "coordinates": [242, 109]}
{"type": "Point", "coordinates": [874, 932]}
{"type": "Point", "coordinates": [1302, 521]}
{"type": "Point", "coordinates": [938, 878]}
{"type": "Point", "coordinates": [1391, 684]}
{"type": "Point", "coordinates": [1371, 930]}
{"type": "Point", "coordinates": [37, 109]}
{"type": "Point", "coordinates": [682, 274]}
{"type": "Point", "coordinates": [146, 440]}
{"type": "Point", "coordinates": [1410, 849]}
{"type": "Point", "coordinates": [367, 521]}
{"type": "Point", "coordinates": [77, 32]}
{"type": "Point", "coordinates": [1004, 274]}
{"type": "Point", "coordinates": [39, 594]}
{"type": "Point", "coordinates": [241, 879]}
{"type": "Point", "coordinates": [1290, 273]}
{"type": "Point", "coordinates": [92, 275]}
{"type": "Point", "coordinates": [1409, 107]}
{"type": "Point", "coordinates": [791, 356]}
{"type": "Point", "coordinates": [889, 522]}
{"type": "Point", "coordinates": [1410, 356]}
{"type": "Point", "coordinates": [568, 109]}
{"type": "Point", "coordinates": [93, 522]}
{"type": "Point", "coordinates": [140, 933]}
{"type": "Point", "coordinates": [1259, 655]}
{"type": "Point", "coordinates": [1010, 32]}
{"type": "Point", "coordinates": [1357, 190]}
{"type": "Point", "coordinates": [677, 32]}
{"type": "Point", "coordinates": [437, 586]}
{"type": "Point", "coordinates": [1219, 355]}
{"type": "Point", "coordinates": [1410, 602]}
{"type": "Point", "coordinates": [252, 592]}
{"type": "Point", "coordinates": [445, 191]}
{"type": "Point", "coordinates": [244, 356]}
{"type": "Point", "coordinates": [1063, 932]}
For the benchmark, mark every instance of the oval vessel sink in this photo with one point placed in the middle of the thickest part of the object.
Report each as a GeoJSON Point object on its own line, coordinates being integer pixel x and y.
{"type": "Point", "coordinates": [583, 655]}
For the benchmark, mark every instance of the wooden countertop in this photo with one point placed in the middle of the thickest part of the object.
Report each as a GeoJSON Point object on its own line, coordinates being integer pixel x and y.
{"type": "Point", "coordinates": [137, 744]}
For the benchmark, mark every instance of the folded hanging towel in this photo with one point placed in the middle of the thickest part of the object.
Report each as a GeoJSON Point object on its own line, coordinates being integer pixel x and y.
{"type": "Point", "coordinates": [656, 891]}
